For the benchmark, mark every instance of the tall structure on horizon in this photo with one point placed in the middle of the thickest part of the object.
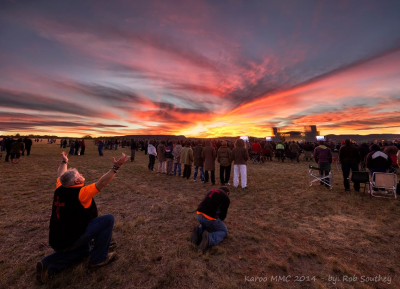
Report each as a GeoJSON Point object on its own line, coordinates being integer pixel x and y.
{"type": "Point", "coordinates": [310, 132]}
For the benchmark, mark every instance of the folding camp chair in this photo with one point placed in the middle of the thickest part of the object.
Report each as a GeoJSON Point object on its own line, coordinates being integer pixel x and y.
{"type": "Point", "coordinates": [362, 178]}
{"type": "Point", "coordinates": [256, 157]}
{"type": "Point", "coordinates": [315, 176]}
{"type": "Point", "coordinates": [386, 181]}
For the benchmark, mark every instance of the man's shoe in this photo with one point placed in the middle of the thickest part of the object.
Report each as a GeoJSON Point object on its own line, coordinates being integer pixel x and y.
{"type": "Point", "coordinates": [204, 242]}
{"type": "Point", "coordinates": [109, 258]}
{"type": "Point", "coordinates": [227, 184]}
{"type": "Point", "coordinates": [347, 190]}
{"type": "Point", "coordinates": [42, 273]}
{"type": "Point", "coordinates": [196, 238]}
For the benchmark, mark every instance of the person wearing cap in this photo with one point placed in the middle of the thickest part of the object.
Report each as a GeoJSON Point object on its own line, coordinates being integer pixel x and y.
{"type": "Point", "coordinates": [224, 158]}
{"type": "Point", "coordinates": [211, 213]}
{"type": "Point", "coordinates": [349, 157]}
{"type": "Point", "coordinates": [74, 222]}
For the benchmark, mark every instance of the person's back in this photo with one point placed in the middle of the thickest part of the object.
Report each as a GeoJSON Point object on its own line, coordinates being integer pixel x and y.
{"type": "Point", "coordinates": [256, 147]}
{"type": "Point", "coordinates": [197, 155]}
{"type": "Point", "coordinates": [322, 154]}
{"type": "Point", "coordinates": [215, 204]}
{"type": "Point", "coordinates": [17, 146]}
{"type": "Point", "coordinates": [176, 152]}
{"type": "Point", "coordinates": [240, 155]}
{"type": "Point", "coordinates": [294, 147]}
{"type": "Point", "coordinates": [349, 154]}
{"type": "Point", "coordinates": [211, 212]}
{"type": "Point", "coordinates": [377, 161]}
{"type": "Point", "coordinates": [224, 155]}
{"type": "Point", "coordinates": [186, 155]}
{"type": "Point", "coordinates": [209, 155]}
{"type": "Point", "coordinates": [161, 152]}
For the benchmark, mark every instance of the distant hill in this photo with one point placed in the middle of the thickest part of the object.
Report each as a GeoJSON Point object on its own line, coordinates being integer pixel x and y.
{"type": "Point", "coordinates": [369, 137]}
{"type": "Point", "coordinates": [333, 137]}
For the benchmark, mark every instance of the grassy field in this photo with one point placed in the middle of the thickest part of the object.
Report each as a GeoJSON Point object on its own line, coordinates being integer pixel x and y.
{"type": "Point", "coordinates": [282, 233]}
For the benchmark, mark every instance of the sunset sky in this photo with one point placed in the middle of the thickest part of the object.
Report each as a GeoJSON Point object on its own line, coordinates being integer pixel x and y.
{"type": "Point", "coordinates": [199, 68]}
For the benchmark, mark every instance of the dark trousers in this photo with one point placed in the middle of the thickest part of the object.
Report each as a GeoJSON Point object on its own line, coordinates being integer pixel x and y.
{"type": "Point", "coordinates": [152, 160]}
{"type": "Point", "coordinates": [7, 155]}
{"type": "Point", "coordinates": [99, 229]}
{"type": "Point", "coordinates": [82, 151]}
{"type": "Point", "coordinates": [346, 167]}
{"type": "Point", "coordinates": [206, 177]}
{"type": "Point", "coordinates": [324, 170]}
{"type": "Point", "coordinates": [186, 171]}
{"type": "Point", "coordinates": [225, 174]}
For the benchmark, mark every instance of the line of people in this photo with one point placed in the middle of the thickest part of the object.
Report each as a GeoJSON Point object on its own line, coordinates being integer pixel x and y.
{"type": "Point", "coordinates": [172, 157]}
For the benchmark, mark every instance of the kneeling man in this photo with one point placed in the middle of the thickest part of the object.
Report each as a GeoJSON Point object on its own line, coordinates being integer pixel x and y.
{"type": "Point", "coordinates": [74, 222]}
{"type": "Point", "coordinates": [210, 213]}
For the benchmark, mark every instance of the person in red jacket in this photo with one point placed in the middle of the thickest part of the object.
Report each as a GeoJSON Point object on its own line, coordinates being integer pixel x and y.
{"type": "Point", "coordinates": [74, 222]}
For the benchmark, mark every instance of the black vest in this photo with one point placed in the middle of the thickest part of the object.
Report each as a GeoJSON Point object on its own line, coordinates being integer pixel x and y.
{"type": "Point", "coordinates": [69, 219]}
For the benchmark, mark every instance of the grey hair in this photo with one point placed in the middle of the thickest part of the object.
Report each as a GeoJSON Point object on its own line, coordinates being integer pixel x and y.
{"type": "Point", "coordinates": [68, 178]}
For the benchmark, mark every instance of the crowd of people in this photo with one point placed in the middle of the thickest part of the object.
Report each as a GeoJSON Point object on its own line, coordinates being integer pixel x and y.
{"type": "Point", "coordinates": [76, 230]}
{"type": "Point", "coordinates": [15, 148]}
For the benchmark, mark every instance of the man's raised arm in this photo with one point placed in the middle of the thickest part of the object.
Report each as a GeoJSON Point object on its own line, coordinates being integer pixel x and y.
{"type": "Point", "coordinates": [107, 177]}
{"type": "Point", "coordinates": [62, 168]}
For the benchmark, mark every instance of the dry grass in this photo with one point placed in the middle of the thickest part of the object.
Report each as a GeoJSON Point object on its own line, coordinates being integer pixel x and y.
{"type": "Point", "coordinates": [278, 228]}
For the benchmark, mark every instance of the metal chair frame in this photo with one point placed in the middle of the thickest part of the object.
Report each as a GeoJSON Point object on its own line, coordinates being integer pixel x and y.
{"type": "Point", "coordinates": [387, 181]}
{"type": "Point", "coordinates": [316, 177]}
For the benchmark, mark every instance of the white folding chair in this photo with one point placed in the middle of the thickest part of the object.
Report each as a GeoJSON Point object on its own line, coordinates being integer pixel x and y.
{"type": "Point", "coordinates": [315, 176]}
{"type": "Point", "coordinates": [386, 182]}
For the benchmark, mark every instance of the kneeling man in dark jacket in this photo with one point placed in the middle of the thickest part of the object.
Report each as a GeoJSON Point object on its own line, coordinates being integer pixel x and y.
{"type": "Point", "coordinates": [210, 213]}
{"type": "Point", "coordinates": [74, 222]}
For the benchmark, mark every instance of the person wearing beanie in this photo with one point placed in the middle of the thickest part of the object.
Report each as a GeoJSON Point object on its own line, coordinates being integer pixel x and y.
{"type": "Point", "coordinates": [224, 156]}
{"type": "Point", "coordinates": [211, 213]}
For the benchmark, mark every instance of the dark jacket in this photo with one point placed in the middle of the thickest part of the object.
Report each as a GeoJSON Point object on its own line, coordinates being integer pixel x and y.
{"type": "Point", "coordinates": [215, 204]}
{"type": "Point", "coordinates": [349, 154]}
{"type": "Point", "coordinates": [197, 155]}
{"type": "Point", "coordinates": [378, 161]}
{"type": "Point", "coordinates": [209, 155]}
{"type": "Point", "coordinates": [224, 156]}
{"type": "Point", "coordinates": [69, 219]}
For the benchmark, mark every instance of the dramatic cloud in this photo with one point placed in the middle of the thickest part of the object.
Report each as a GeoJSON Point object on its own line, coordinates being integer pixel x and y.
{"type": "Point", "coordinates": [199, 68]}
